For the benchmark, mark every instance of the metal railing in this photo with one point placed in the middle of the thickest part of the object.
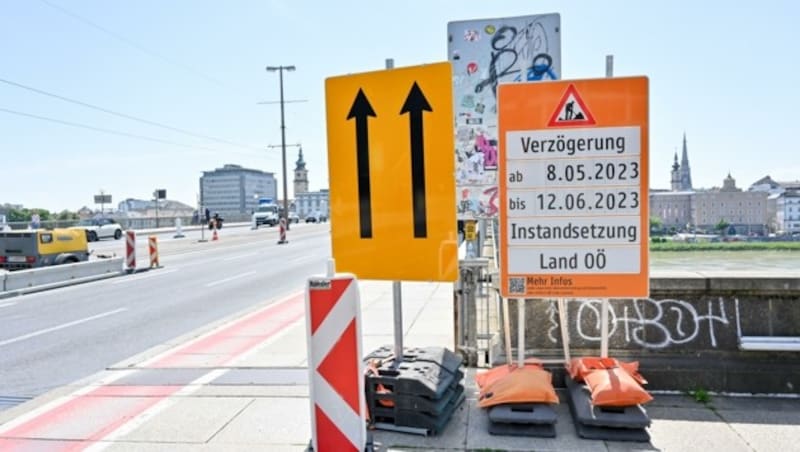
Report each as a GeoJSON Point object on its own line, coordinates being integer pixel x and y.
{"type": "Point", "coordinates": [477, 303]}
{"type": "Point", "coordinates": [128, 223]}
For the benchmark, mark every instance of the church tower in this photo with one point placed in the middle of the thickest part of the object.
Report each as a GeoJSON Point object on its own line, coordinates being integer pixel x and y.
{"type": "Point", "coordinates": [300, 175]}
{"type": "Point", "coordinates": [675, 175]}
{"type": "Point", "coordinates": [686, 172]}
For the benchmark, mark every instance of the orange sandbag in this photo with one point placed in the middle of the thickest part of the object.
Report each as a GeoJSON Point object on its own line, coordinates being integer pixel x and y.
{"type": "Point", "coordinates": [615, 387]}
{"type": "Point", "coordinates": [485, 379]}
{"type": "Point", "coordinates": [580, 367]}
{"type": "Point", "coordinates": [522, 385]}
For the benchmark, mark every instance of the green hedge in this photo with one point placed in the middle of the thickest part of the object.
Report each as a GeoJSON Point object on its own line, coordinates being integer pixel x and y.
{"type": "Point", "coordinates": [723, 246]}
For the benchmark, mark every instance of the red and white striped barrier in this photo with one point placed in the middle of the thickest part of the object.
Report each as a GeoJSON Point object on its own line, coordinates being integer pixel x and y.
{"type": "Point", "coordinates": [153, 245]}
{"type": "Point", "coordinates": [130, 250]}
{"type": "Point", "coordinates": [333, 326]}
{"type": "Point", "coordinates": [282, 232]}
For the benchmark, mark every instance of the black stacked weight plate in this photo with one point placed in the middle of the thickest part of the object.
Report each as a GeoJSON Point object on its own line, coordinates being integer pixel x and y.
{"type": "Point", "coordinates": [612, 424]}
{"type": "Point", "coordinates": [422, 392]}
{"type": "Point", "coordinates": [523, 419]}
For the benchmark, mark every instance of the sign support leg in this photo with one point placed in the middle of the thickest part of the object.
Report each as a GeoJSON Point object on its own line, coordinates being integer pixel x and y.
{"type": "Point", "coordinates": [507, 332]}
{"type": "Point", "coordinates": [397, 297]}
{"type": "Point", "coordinates": [562, 320]}
{"type": "Point", "coordinates": [521, 331]}
{"type": "Point", "coordinates": [604, 329]}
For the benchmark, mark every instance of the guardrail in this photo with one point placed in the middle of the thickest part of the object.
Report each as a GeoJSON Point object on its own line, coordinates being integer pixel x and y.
{"type": "Point", "coordinates": [23, 281]}
{"type": "Point", "coordinates": [128, 222]}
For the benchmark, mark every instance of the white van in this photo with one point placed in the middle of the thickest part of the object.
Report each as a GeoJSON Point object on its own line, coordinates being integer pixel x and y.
{"type": "Point", "coordinates": [266, 213]}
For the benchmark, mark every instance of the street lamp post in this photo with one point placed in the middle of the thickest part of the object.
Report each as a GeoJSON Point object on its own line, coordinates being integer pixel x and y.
{"type": "Point", "coordinates": [280, 70]}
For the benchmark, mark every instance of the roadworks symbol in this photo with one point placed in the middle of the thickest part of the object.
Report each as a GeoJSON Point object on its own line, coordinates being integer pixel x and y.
{"type": "Point", "coordinates": [571, 111]}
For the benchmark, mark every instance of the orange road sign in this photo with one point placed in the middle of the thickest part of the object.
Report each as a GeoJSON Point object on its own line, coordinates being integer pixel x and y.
{"type": "Point", "coordinates": [392, 173]}
{"type": "Point", "coordinates": [573, 182]}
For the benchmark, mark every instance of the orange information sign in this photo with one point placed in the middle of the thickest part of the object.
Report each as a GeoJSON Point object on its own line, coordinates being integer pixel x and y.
{"type": "Point", "coordinates": [573, 182]}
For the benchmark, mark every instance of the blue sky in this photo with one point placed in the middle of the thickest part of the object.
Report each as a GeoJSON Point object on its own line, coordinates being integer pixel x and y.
{"type": "Point", "coordinates": [724, 72]}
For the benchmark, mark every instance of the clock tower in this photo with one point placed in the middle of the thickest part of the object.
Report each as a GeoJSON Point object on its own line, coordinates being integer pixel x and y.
{"type": "Point", "coordinates": [300, 175]}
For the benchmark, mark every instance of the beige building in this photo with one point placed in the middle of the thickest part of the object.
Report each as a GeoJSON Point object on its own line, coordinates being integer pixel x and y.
{"type": "Point", "coordinates": [745, 211]}
{"type": "Point", "coordinates": [685, 208]}
{"type": "Point", "coordinates": [674, 209]}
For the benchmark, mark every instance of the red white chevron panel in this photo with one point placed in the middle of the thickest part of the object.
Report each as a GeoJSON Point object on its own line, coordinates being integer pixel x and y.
{"type": "Point", "coordinates": [333, 326]}
{"type": "Point", "coordinates": [130, 249]}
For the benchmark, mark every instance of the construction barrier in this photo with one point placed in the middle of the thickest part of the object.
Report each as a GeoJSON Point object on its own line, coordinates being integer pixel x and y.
{"type": "Point", "coordinates": [178, 229]}
{"type": "Point", "coordinates": [282, 232]}
{"type": "Point", "coordinates": [59, 275]}
{"type": "Point", "coordinates": [130, 250]}
{"type": "Point", "coordinates": [153, 245]}
{"type": "Point", "coordinates": [336, 384]}
{"type": "Point", "coordinates": [214, 236]}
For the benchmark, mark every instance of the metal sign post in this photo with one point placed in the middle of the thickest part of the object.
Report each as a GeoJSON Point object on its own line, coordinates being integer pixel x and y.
{"type": "Point", "coordinates": [397, 303]}
{"type": "Point", "coordinates": [604, 305]}
{"type": "Point", "coordinates": [201, 219]}
{"type": "Point", "coordinates": [397, 296]}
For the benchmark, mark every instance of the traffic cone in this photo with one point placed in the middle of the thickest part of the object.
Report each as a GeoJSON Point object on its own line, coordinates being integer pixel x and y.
{"type": "Point", "coordinates": [215, 236]}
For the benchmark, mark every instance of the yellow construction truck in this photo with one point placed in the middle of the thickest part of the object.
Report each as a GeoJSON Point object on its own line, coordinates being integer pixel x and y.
{"type": "Point", "coordinates": [21, 250]}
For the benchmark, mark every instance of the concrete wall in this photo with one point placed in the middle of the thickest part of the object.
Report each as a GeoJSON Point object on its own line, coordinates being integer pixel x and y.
{"type": "Point", "coordinates": [687, 334]}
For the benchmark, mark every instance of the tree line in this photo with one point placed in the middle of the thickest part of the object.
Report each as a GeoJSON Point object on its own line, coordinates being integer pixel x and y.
{"type": "Point", "coordinates": [25, 214]}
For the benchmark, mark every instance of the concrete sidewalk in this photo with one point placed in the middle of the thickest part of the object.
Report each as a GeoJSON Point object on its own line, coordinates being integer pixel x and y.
{"type": "Point", "coordinates": [241, 385]}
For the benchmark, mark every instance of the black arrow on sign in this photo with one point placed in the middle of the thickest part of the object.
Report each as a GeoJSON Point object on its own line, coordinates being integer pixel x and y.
{"type": "Point", "coordinates": [415, 104]}
{"type": "Point", "coordinates": [360, 110]}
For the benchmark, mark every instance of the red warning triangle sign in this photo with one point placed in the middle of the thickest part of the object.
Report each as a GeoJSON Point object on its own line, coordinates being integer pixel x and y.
{"type": "Point", "coordinates": [571, 111]}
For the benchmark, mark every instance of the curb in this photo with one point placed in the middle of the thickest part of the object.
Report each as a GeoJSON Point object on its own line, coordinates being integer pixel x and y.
{"type": "Point", "coordinates": [57, 285]}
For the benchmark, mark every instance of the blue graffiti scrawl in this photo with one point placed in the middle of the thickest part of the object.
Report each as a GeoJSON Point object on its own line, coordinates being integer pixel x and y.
{"type": "Point", "coordinates": [511, 46]}
{"type": "Point", "coordinates": [484, 54]}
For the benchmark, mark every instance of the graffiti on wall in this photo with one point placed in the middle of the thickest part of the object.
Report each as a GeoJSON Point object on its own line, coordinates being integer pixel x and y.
{"type": "Point", "coordinates": [648, 323]}
{"type": "Point", "coordinates": [485, 53]}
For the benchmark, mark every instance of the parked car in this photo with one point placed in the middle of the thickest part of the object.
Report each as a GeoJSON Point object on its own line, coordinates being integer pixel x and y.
{"type": "Point", "coordinates": [316, 217]}
{"type": "Point", "coordinates": [293, 218]}
{"type": "Point", "coordinates": [100, 228]}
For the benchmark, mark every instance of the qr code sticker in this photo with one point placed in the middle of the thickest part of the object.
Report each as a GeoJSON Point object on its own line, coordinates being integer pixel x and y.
{"type": "Point", "coordinates": [516, 285]}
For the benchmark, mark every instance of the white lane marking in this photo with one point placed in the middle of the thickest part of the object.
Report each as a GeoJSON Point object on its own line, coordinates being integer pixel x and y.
{"type": "Point", "coordinates": [60, 327]}
{"type": "Point", "coordinates": [306, 258]}
{"type": "Point", "coordinates": [135, 277]}
{"type": "Point", "coordinates": [5, 305]}
{"type": "Point", "coordinates": [239, 256]}
{"type": "Point", "coordinates": [223, 281]}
